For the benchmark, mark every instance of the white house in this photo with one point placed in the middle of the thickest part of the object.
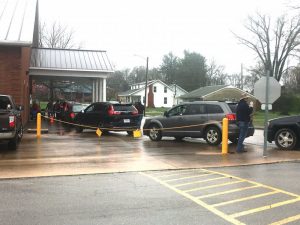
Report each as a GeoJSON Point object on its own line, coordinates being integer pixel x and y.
{"type": "Point", "coordinates": [159, 94]}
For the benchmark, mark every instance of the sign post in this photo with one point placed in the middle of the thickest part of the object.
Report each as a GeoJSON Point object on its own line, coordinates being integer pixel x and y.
{"type": "Point", "coordinates": [267, 90]}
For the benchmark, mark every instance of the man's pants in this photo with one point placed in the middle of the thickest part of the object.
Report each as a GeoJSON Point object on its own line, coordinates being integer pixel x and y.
{"type": "Point", "coordinates": [243, 133]}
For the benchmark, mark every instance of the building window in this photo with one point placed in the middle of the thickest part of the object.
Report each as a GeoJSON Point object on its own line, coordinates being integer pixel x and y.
{"type": "Point", "coordinates": [154, 89]}
{"type": "Point", "coordinates": [165, 100]}
{"type": "Point", "coordinates": [165, 89]}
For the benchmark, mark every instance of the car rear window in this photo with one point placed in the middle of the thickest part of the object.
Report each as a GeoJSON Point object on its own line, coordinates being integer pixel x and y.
{"type": "Point", "coordinates": [4, 101]}
{"type": "Point", "coordinates": [77, 108]}
{"type": "Point", "coordinates": [232, 106]}
{"type": "Point", "coordinates": [122, 107]}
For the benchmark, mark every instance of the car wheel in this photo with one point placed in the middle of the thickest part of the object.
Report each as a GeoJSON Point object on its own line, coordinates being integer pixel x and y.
{"type": "Point", "coordinates": [154, 132]}
{"type": "Point", "coordinates": [13, 143]}
{"type": "Point", "coordinates": [285, 139]}
{"type": "Point", "coordinates": [213, 136]}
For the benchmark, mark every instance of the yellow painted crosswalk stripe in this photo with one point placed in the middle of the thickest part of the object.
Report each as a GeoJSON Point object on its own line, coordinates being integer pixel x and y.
{"type": "Point", "coordinates": [197, 201]}
{"type": "Point", "coordinates": [259, 209]}
{"type": "Point", "coordinates": [213, 186]}
{"type": "Point", "coordinates": [245, 199]}
{"type": "Point", "coordinates": [199, 181]}
{"type": "Point", "coordinates": [227, 192]}
{"type": "Point", "coordinates": [287, 220]}
{"type": "Point", "coordinates": [184, 178]}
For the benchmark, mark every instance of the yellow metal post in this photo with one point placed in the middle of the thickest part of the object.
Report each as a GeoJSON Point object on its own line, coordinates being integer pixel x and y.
{"type": "Point", "coordinates": [225, 136]}
{"type": "Point", "coordinates": [38, 125]}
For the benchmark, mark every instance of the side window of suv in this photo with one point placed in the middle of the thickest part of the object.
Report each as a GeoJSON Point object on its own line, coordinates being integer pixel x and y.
{"type": "Point", "coordinates": [214, 109]}
{"type": "Point", "coordinates": [90, 108]}
{"type": "Point", "coordinates": [179, 110]}
{"type": "Point", "coordinates": [194, 109]}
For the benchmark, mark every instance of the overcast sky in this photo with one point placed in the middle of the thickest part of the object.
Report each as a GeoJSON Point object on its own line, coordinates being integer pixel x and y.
{"type": "Point", "coordinates": [154, 28]}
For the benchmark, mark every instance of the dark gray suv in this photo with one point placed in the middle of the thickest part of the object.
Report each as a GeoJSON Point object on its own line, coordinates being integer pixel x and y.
{"type": "Point", "coordinates": [201, 119]}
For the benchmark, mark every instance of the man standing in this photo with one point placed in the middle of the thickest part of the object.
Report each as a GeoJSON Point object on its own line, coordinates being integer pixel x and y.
{"type": "Point", "coordinates": [141, 108]}
{"type": "Point", "coordinates": [243, 117]}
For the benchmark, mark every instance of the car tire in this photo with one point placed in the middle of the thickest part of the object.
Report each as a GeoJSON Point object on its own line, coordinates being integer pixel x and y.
{"type": "Point", "coordinates": [212, 135]}
{"type": "Point", "coordinates": [286, 139]}
{"type": "Point", "coordinates": [154, 132]}
{"type": "Point", "coordinates": [13, 143]}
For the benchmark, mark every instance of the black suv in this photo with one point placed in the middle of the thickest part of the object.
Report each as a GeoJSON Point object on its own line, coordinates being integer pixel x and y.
{"type": "Point", "coordinates": [202, 119]}
{"type": "Point", "coordinates": [11, 127]}
{"type": "Point", "coordinates": [285, 131]}
{"type": "Point", "coordinates": [109, 117]}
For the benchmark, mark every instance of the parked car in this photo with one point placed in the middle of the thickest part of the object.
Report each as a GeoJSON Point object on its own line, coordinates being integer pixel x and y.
{"type": "Point", "coordinates": [285, 131]}
{"type": "Point", "coordinates": [202, 119]}
{"type": "Point", "coordinates": [108, 116]}
{"type": "Point", "coordinates": [11, 127]}
{"type": "Point", "coordinates": [70, 110]}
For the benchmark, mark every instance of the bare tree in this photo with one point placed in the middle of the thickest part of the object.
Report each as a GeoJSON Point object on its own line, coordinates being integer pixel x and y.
{"type": "Point", "coordinates": [56, 36]}
{"type": "Point", "coordinates": [272, 45]}
{"type": "Point", "coordinates": [215, 73]}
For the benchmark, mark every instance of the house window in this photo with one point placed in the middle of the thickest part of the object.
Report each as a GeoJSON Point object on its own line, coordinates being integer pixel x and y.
{"type": "Point", "coordinates": [154, 89]}
{"type": "Point", "coordinates": [165, 89]}
{"type": "Point", "coordinates": [165, 100]}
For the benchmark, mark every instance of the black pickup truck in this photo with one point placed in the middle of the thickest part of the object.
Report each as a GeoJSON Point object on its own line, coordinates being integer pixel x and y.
{"type": "Point", "coordinates": [11, 127]}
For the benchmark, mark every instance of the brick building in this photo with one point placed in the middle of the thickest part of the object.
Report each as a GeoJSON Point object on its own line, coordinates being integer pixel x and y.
{"type": "Point", "coordinates": [22, 61]}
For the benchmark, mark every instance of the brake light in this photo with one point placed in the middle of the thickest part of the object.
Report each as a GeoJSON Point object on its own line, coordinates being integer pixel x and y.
{"type": "Point", "coordinates": [135, 112]}
{"type": "Point", "coordinates": [231, 116]}
{"type": "Point", "coordinates": [111, 111]}
{"type": "Point", "coordinates": [72, 115]}
{"type": "Point", "coordinates": [12, 121]}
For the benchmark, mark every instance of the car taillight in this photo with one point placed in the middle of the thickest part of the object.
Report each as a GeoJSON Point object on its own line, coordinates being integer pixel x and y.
{"type": "Point", "coordinates": [111, 111]}
{"type": "Point", "coordinates": [135, 112]}
{"type": "Point", "coordinates": [231, 116]}
{"type": "Point", "coordinates": [12, 121]}
{"type": "Point", "coordinates": [72, 115]}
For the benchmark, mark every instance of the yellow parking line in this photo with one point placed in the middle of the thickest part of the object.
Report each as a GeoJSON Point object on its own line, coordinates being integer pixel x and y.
{"type": "Point", "coordinates": [212, 186]}
{"type": "Point", "coordinates": [287, 220]}
{"type": "Point", "coordinates": [166, 173]}
{"type": "Point", "coordinates": [197, 201]}
{"type": "Point", "coordinates": [255, 183]}
{"type": "Point", "coordinates": [227, 192]}
{"type": "Point", "coordinates": [178, 173]}
{"type": "Point", "coordinates": [245, 199]}
{"type": "Point", "coordinates": [199, 181]}
{"type": "Point", "coordinates": [183, 178]}
{"type": "Point", "coordinates": [278, 204]}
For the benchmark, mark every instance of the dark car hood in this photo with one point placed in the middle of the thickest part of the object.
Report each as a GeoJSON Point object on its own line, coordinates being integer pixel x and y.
{"type": "Point", "coordinates": [286, 119]}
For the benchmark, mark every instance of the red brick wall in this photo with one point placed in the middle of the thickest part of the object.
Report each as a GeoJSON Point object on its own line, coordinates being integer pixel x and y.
{"type": "Point", "coordinates": [14, 64]}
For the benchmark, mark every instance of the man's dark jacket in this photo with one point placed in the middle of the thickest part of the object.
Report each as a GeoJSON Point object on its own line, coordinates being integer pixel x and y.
{"type": "Point", "coordinates": [243, 111]}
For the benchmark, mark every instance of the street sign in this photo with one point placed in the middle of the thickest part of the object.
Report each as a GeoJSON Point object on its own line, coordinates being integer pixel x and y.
{"type": "Point", "coordinates": [274, 91]}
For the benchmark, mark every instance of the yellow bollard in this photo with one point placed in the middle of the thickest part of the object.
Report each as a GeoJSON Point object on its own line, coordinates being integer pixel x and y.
{"type": "Point", "coordinates": [225, 136]}
{"type": "Point", "coordinates": [38, 125]}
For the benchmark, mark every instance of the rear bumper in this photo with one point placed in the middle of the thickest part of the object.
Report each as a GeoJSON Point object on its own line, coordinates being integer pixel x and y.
{"type": "Point", "coordinates": [7, 135]}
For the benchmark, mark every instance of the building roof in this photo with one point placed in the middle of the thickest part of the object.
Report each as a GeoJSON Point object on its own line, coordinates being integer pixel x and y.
{"type": "Point", "coordinates": [17, 21]}
{"type": "Point", "coordinates": [201, 92]}
{"type": "Point", "coordinates": [70, 59]}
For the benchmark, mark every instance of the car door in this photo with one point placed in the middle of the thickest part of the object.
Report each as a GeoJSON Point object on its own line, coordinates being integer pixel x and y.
{"type": "Point", "coordinates": [93, 114]}
{"type": "Point", "coordinates": [194, 119]}
{"type": "Point", "coordinates": [172, 120]}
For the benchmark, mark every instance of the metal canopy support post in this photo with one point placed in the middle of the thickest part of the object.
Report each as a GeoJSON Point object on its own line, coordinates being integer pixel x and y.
{"type": "Point", "coordinates": [146, 84]}
{"type": "Point", "coordinates": [266, 115]}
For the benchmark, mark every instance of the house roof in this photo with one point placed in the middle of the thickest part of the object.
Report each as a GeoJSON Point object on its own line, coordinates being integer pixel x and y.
{"type": "Point", "coordinates": [201, 92]}
{"type": "Point", "coordinates": [17, 21]}
{"type": "Point", "coordinates": [70, 59]}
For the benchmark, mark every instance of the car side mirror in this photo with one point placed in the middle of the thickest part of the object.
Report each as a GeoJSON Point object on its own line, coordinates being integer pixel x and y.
{"type": "Point", "coordinates": [166, 114]}
{"type": "Point", "coordinates": [8, 107]}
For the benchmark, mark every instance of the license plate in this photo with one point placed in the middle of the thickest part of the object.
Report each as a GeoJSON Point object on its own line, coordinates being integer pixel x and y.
{"type": "Point", "coordinates": [126, 120]}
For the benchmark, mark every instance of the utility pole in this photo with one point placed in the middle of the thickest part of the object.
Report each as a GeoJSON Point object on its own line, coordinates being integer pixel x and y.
{"type": "Point", "coordinates": [242, 81]}
{"type": "Point", "coordinates": [146, 84]}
